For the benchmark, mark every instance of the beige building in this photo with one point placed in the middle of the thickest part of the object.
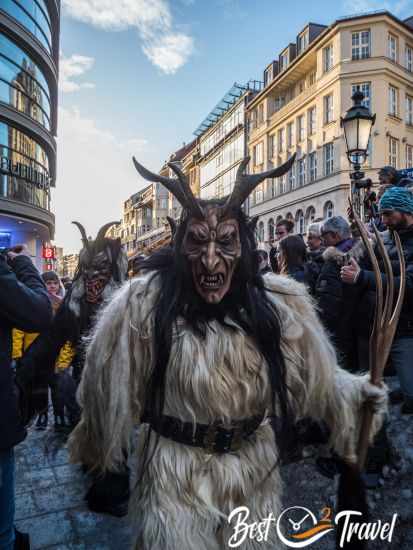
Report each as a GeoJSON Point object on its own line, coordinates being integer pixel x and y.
{"type": "Point", "coordinates": [307, 89]}
{"type": "Point", "coordinates": [69, 265]}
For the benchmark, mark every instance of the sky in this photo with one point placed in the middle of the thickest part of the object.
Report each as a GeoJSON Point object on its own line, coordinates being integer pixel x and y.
{"type": "Point", "coordinates": [137, 77]}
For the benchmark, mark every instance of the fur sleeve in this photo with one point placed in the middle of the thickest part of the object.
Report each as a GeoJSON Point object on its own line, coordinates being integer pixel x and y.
{"type": "Point", "coordinates": [111, 389]}
{"type": "Point", "coordinates": [323, 390]}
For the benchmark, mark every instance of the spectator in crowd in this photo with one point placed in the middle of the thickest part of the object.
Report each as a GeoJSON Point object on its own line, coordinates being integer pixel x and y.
{"type": "Point", "coordinates": [314, 242]}
{"type": "Point", "coordinates": [263, 265]}
{"type": "Point", "coordinates": [292, 256]}
{"type": "Point", "coordinates": [24, 304]}
{"type": "Point", "coordinates": [283, 228]}
{"type": "Point", "coordinates": [337, 301]}
{"type": "Point", "coordinates": [396, 208]}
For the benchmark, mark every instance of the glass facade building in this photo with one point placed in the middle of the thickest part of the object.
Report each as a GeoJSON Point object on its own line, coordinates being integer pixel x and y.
{"type": "Point", "coordinates": [29, 53]}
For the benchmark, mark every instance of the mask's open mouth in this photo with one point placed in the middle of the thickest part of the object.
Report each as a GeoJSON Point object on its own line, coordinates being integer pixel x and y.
{"type": "Point", "coordinates": [212, 281]}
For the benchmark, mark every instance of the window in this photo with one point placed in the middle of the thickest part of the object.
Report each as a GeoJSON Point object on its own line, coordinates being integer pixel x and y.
{"type": "Point", "coordinates": [393, 152]}
{"type": "Point", "coordinates": [281, 140]}
{"type": "Point", "coordinates": [393, 101]}
{"type": "Point", "coordinates": [259, 194]}
{"type": "Point", "coordinates": [258, 154]}
{"type": "Point", "coordinates": [300, 128]}
{"type": "Point", "coordinates": [260, 232]}
{"type": "Point", "coordinates": [260, 114]}
{"type": "Point", "coordinates": [271, 229]}
{"type": "Point", "coordinates": [409, 156]}
{"type": "Point", "coordinates": [283, 61]}
{"type": "Point", "coordinates": [310, 215]}
{"type": "Point", "coordinates": [328, 209]}
{"type": "Point", "coordinates": [282, 179]}
{"type": "Point", "coordinates": [365, 88]}
{"type": "Point", "coordinates": [328, 58]}
{"type": "Point", "coordinates": [312, 166]}
{"type": "Point", "coordinates": [302, 42]}
{"type": "Point", "coordinates": [328, 151]}
{"type": "Point", "coordinates": [300, 222]}
{"type": "Point", "coordinates": [312, 121]}
{"type": "Point", "coordinates": [328, 109]}
{"type": "Point", "coordinates": [312, 78]}
{"type": "Point", "coordinates": [409, 58]}
{"type": "Point", "coordinates": [409, 110]}
{"type": "Point", "coordinates": [33, 16]}
{"type": "Point", "coordinates": [392, 47]}
{"type": "Point", "coordinates": [360, 44]}
{"type": "Point", "coordinates": [291, 178]}
{"type": "Point", "coordinates": [268, 75]}
{"type": "Point", "coordinates": [301, 172]}
{"type": "Point", "coordinates": [290, 134]}
{"type": "Point", "coordinates": [271, 146]}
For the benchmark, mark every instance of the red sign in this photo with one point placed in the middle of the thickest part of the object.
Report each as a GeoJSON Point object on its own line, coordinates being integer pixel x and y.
{"type": "Point", "coordinates": [49, 252]}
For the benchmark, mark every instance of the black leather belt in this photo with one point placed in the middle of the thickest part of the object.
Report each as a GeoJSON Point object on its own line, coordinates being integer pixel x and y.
{"type": "Point", "coordinates": [214, 438]}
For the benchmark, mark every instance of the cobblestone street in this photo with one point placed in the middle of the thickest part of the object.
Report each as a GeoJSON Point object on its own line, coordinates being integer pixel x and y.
{"type": "Point", "coordinates": [50, 491]}
{"type": "Point", "coordinates": [50, 506]}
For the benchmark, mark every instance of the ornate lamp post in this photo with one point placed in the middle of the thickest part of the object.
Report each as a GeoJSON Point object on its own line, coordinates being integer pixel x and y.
{"type": "Point", "coordinates": [357, 125]}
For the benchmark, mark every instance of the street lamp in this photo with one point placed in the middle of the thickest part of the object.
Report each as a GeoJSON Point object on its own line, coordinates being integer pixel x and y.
{"type": "Point", "coordinates": [357, 125]}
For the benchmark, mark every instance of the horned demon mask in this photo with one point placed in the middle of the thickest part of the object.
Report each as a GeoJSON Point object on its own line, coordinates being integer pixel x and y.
{"type": "Point", "coordinates": [100, 261]}
{"type": "Point", "coordinates": [212, 243]}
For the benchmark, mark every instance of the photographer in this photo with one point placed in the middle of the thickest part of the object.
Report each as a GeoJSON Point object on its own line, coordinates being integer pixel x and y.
{"type": "Point", "coordinates": [23, 304]}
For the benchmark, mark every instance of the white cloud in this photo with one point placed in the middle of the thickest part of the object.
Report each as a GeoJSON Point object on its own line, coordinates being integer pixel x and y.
{"type": "Point", "coordinates": [95, 176]}
{"type": "Point", "coordinates": [165, 47]}
{"type": "Point", "coordinates": [74, 67]}
{"type": "Point", "coordinates": [360, 6]}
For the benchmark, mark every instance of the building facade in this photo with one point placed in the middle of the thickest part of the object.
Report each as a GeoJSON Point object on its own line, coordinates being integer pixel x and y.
{"type": "Point", "coordinates": [68, 265]}
{"type": "Point", "coordinates": [29, 53]}
{"type": "Point", "coordinates": [307, 89]}
{"type": "Point", "coordinates": [222, 141]}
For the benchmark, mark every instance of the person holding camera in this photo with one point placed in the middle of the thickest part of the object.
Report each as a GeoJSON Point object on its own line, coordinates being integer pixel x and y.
{"type": "Point", "coordinates": [24, 304]}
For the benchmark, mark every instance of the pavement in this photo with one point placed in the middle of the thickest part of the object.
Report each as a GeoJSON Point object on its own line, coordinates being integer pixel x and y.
{"type": "Point", "coordinates": [50, 505]}
{"type": "Point", "coordinates": [50, 491]}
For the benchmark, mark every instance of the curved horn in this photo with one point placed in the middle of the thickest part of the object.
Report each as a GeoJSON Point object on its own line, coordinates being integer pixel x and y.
{"type": "Point", "coordinates": [191, 201]}
{"type": "Point", "coordinates": [169, 183]}
{"type": "Point", "coordinates": [246, 183]}
{"type": "Point", "coordinates": [104, 229]}
{"type": "Point", "coordinates": [82, 230]}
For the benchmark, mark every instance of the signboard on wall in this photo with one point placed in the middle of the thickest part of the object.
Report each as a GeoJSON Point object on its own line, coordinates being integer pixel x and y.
{"type": "Point", "coordinates": [49, 252]}
{"type": "Point", "coordinates": [27, 173]}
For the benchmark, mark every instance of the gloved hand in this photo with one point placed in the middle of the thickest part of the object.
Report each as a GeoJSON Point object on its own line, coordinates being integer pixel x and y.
{"type": "Point", "coordinates": [377, 396]}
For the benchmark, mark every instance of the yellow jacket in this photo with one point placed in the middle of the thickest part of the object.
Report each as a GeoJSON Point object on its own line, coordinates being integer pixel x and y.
{"type": "Point", "coordinates": [22, 340]}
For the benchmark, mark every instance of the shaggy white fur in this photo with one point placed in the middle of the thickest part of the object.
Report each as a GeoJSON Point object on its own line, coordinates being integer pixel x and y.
{"type": "Point", "coordinates": [186, 494]}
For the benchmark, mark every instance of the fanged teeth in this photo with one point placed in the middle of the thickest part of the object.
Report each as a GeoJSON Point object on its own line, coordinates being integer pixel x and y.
{"type": "Point", "coordinates": [212, 280]}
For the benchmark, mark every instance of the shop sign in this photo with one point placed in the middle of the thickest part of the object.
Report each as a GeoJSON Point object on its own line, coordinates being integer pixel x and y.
{"type": "Point", "coordinates": [19, 170]}
{"type": "Point", "coordinates": [49, 252]}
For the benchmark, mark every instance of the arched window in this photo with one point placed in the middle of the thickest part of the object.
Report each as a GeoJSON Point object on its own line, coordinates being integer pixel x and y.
{"type": "Point", "coordinates": [289, 216]}
{"type": "Point", "coordinates": [279, 218]}
{"type": "Point", "coordinates": [328, 209]}
{"type": "Point", "coordinates": [299, 222]}
{"type": "Point", "coordinates": [309, 216]}
{"type": "Point", "coordinates": [270, 229]}
{"type": "Point", "coordinates": [260, 232]}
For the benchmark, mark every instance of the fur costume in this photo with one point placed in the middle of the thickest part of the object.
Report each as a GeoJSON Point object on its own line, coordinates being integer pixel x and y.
{"type": "Point", "coordinates": [203, 339]}
{"type": "Point", "coordinates": [102, 268]}
{"type": "Point", "coordinates": [186, 494]}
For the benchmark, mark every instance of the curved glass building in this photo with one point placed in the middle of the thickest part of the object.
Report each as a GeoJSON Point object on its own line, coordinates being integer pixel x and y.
{"type": "Point", "coordinates": [29, 54]}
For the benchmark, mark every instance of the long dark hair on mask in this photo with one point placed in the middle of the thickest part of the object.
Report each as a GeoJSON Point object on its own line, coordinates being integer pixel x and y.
{"type": "Point", "coordinates": [246, 303]}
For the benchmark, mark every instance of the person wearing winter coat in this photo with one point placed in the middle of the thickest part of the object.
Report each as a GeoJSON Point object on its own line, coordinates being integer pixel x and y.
{"type": "Point", "coordinates": [337, 302]}
{"type": "Point", "coordinates": [24, 304]}
{"type": "Point", "coordinates": [292, 261]}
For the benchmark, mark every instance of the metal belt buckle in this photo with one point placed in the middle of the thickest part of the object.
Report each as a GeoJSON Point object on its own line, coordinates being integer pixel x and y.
{"type": "Point", "coordinates": [209, 439]}
{"type": "Point", "coordinates": [237, 438]}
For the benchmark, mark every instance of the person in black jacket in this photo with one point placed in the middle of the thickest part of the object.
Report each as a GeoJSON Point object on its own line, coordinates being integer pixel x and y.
{"type": "Point", "coordinates": [24, 304]}
{"type": "Point", "coordinates": [396, 208]}
{"type": "Point", "coordinates": [337, 301]}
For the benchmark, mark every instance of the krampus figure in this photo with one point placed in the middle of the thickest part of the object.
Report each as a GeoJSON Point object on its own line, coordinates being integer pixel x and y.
{"type": "Point", "coordinates": [211, 359]}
